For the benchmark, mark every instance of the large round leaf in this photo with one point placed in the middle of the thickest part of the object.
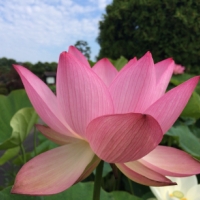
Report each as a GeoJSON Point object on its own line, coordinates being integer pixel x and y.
{"type": "Point", "coordinates": [79, 191]}
{"type": "Point", "coordinates": [186, 140]}
{"type": "Point", "coordinates": [9, 105]}
{"type": "Point", "coordinates": [192, 108]}
{"type": "Point", "coordinates": [22, 122]}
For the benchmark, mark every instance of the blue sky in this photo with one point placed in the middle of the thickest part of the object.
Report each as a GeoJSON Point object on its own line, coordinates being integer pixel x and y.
{"type": "Point", "coordinates": [39, 30]}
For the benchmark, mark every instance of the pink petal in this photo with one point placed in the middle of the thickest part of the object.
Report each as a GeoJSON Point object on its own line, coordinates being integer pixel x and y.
{"type": "Point", "coordinates": [78, 55]}
{"type": "Point", "coordinates": [81, 94]}
{"type": "Point", "coordinates": [105, 70]}
{"type": "Point", "coordinates": [123, 137]}
{"type": "Point", "coordinates": [44, 101]}
{"type": "Point", "coordinates": [131, 63]}
{"type": "Point", "coordinates": [171, 162]}
{"type": "Point", "coordinates": [132, 89]}
{"type": "Point", "coordinates": [168, 108]}
{"type": "Point", "coordinates": [53, 171]}
{"type": "Point", "coordinates": [141, 174]}
{"type": "Point", "coordinates": [164, 70]}
{"type": "Point", "coordinates": [178, 69]}
{"type": "Point", "coordinates": [54, 136]}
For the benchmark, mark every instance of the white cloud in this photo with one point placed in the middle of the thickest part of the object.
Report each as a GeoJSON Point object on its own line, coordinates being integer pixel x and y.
{"type": "Point", "coordinates": [102, 3]}
{"type": "Point", "coordinates": [35, 29]}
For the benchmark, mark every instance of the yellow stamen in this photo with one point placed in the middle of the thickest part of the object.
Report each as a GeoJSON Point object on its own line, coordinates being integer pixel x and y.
{"type": "Point", "coordinates": [178, 195]}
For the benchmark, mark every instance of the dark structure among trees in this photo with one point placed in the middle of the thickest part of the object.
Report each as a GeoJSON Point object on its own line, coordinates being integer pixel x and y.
{"type": "Point", "coordinates": [10, 80]}
{"type": "Point", "coordinates": [166, 28]}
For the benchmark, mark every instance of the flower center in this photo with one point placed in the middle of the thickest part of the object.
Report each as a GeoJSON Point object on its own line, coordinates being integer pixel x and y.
{"type": "Point", "coordinates": [178, 195]}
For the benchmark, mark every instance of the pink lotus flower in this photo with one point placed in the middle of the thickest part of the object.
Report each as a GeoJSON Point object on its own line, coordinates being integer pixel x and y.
{"type": "Point", "coordinates": [178, 69]}
{"type": "Point", "coordinates": [100, 113]}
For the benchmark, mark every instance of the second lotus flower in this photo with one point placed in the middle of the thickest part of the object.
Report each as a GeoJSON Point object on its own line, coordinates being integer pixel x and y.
{"type": "Point", "coordinates": [187, 189]}
{"type": "Point", "coordinates": [100, 113]}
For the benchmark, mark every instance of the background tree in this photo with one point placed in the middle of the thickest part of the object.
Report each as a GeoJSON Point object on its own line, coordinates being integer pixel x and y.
{"type": "Point", "coordinates": [5, 67]}
{"type": "Point", "coordinates": [84, 48]}
{"type": "Point", "coordinates": [9, 78]}
{"type": "Point", "coordinates": [166, 28]}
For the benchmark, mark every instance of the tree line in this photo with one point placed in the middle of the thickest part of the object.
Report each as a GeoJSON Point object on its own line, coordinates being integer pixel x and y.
{"type": "Point", "coordinates": [9, 79]}
{"type": "Point", "coordinates": [166, 28]}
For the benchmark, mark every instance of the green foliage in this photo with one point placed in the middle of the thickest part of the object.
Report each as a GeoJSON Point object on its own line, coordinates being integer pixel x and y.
{"type": "Point", "coordinates": [21, 123]}
{"type": "Point", "coordinates": [39, 68]}
{"type": "Point", "coordinates": [79, 191]}
{"type": "Point", "coordinates": [106, 169]}
{"type": "Point", "coordinates": [119, 63]}
{"type": "Point", "coordinates": [9, 154]}
{"type": "Point", "coordinates": [3, 90]}
{"type": "Point", "coordinates": [53, 88]}
{"type": "Point", "coordinates": [9, 105]}
{"type": "Point", "coordinates": [91, 63]}
{"type": "Point", "coordinates": [6, 64]}
{"type": "Point", "coordinates": [186, 140]}
{"type": "Point", "coordinates": [192, 109]}
{"type": "Point", "coordinates": [178, 79]}
{"type": "Point", "coordinates": [43, 145]}
{"type": "Point", "coordinates": [9, 78]}
{"type": "Point", "coordinates": [166, 28]}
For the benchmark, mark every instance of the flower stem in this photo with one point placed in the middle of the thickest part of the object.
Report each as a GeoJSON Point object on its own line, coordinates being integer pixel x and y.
{"type": "Point", "coordinates": [35, 140]}
{"type": "Point", "coordinates": [23, 153]}
{"type": "Point", "coordinates": [97, 181]}
{"type": "Point", "coordinates": [170, 141]}
{"type": "Point", "coordinates": [131, 186]}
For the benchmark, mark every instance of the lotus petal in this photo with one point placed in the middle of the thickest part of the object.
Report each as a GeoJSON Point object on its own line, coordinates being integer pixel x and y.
{"type": "Point", "coordinates": [132, 89]}
{"type": "Point", "coordinates": [131, 63]}
{"type": "Point", "coordinates": [90, 168]}
{"type": "Point", "coordinates": [123, 137]}
{"type": "Point", "coordinates": [105, 70]}
{"type": "Point", "coordinates": [171, 162]}
{"type": "Point", "coordinates": [44, 101]}
{"type": "Point", "coordinates": [53, 171]}
{"type": "Point", "coordinates": [54, 136]}
{"type": "Point", "coordinates": [82, 96]}
{"type": "Point", "coordinates": [183, 185]}
{"type": "Point", "coordinates": [78, 55]}
{"type": "Point", "coordinates": [164, 70]}
{"type": "Point", "coordinates": [194, 193]}
{"type": "Point", "coordinates": [167, 109]}
{"type": "Point", "coordinates": [141, 174]}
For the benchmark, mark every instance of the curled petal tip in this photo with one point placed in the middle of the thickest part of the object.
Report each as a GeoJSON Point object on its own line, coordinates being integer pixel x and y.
{"type": "Point", "coordinates": [105, 59]}
{"type": "Point", "coordinates": [174, 183]}
{"type": "Point", "coordinates": [169, 59]}
{"type": "Point", "coordinates": [64, 53]}
{"type": "Point", "coordinates": [148, 57]}
{"type": "Point", "coordinates": [78, 55]}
